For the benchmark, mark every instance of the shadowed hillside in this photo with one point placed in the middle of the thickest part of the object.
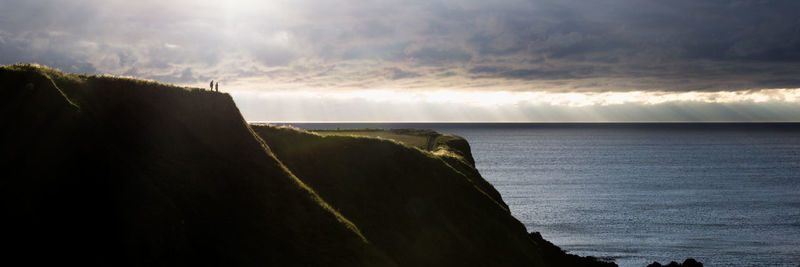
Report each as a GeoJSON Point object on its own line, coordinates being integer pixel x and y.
{"type": "Point", "coordinates": [115, 171]}
{"type": "Point", "coordinates": [422, 208]}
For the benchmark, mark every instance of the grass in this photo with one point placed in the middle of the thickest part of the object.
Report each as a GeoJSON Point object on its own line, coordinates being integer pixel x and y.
{"type": "Point", "coordinates": [428, 140]}
{"type": "Point", "coordinates": [143, 173]}
{"type": "Point", "coordinates": [417, 138]}
{"type": "Point", "coordinates": [422, 208]}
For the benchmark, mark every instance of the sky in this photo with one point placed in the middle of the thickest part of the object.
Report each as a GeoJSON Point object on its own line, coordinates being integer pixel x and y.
{"type": "Point", "coordinates": [437, 60]}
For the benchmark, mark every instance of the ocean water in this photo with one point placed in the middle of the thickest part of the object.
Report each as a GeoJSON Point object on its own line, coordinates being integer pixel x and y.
{"type": "Point", "coordinates": [724, 194]}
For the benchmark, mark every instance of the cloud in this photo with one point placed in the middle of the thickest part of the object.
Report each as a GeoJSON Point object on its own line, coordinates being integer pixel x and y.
{"type": "Point", "coordinates": [431, 54]}
{"type": "Point", "coordinates": [525, 74]}
{"type": "Point", "coordinates": [546, 45]}
{"type": "Point", "coordinates": [397, 73]}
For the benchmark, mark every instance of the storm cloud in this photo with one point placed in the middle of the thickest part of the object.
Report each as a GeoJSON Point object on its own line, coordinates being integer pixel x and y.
{"type": "Point", "coordinates": [513, 45]}
{"type": "Point", "coordinates": [679, 45]}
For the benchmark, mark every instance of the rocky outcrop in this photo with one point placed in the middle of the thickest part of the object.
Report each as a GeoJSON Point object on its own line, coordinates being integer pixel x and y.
{"type": "Point", "coordinates": [686, 263]}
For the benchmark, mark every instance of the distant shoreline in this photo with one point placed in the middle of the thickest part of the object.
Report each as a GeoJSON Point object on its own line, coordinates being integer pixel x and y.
{"type": "Point", "coordinates": [538, 122]}
{"type": "Point", "coordinates": [791, 126]}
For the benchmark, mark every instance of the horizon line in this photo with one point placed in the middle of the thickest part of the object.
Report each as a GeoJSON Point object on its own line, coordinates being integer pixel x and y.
{"type": "Point", "coordinates": [530, 122]}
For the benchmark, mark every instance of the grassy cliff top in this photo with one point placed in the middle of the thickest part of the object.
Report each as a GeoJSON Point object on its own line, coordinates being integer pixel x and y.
{"type": "Point", "coordinates": [424, 139]}
{"type": "Point", "coordinates": [63, 77]}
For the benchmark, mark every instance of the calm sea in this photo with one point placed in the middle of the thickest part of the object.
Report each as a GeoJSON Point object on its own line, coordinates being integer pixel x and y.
{"type": "Point", "coordinates": [724, 194]}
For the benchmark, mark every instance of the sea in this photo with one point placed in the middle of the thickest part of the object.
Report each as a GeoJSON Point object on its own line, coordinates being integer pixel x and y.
{"type": "Point", "coordinates": [725, 194]}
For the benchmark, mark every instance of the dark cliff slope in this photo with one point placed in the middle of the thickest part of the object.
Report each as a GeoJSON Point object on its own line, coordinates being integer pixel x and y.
{"type": "Point", "coordinates": [110, 171]}
{"type": "Point", "coordinates": [422, 208]}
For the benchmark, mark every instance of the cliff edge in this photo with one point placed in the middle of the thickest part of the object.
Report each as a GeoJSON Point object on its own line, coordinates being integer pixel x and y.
{"type": "Point", "coordinates": [105, 170]}
{"type": "Point", "coordinates": [116, 171]}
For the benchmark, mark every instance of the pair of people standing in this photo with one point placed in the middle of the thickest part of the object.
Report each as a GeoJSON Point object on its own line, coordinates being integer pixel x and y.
{"type": "Point", "coordinates": [213, 86]}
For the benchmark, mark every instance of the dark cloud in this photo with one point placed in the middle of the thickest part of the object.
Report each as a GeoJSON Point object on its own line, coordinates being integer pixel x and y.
{"type": "Point", "coordinates": [397, 73]}
{"type": "Point", "coordinates": [613, 45]}
{"type": "Point", "coordinates": [779, 83]}
{"type": "Point", "coordinates": [433, 55]}
{"type": "Point", "coordinates": [528, 74]}
{"type": "Point", "coordinates": [487, 69]}
{"type": "Point", "coordinates": [15, 51]}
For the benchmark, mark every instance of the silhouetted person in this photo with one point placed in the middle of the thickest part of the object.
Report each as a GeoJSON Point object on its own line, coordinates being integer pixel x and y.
{"type": "Point", "coordinates": [211, 85]}
{"type": "Point", "coordinates": [216, 86]}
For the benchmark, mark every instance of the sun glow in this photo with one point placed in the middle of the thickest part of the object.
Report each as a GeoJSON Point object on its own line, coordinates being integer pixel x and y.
{"type": "Point", "coordinates": [450, 105]}
{"type": "Point", "coordinates": [499, 98]}
{"type": "Point", "coordinates": [239, 8]}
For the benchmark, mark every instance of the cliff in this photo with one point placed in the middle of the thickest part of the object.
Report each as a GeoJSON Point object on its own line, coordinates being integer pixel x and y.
{"type": "Point", "coordinates": [412, 204]}
{"type": "Point", "coordinates": [116, 171]}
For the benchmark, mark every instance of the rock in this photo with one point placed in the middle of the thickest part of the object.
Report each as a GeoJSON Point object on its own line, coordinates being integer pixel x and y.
{"type": "Point", "coordinates": [686, 263]}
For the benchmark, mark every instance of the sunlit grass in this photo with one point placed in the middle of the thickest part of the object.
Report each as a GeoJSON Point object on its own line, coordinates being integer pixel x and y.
{"type": "Point", "coordinates": [416, 138]}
